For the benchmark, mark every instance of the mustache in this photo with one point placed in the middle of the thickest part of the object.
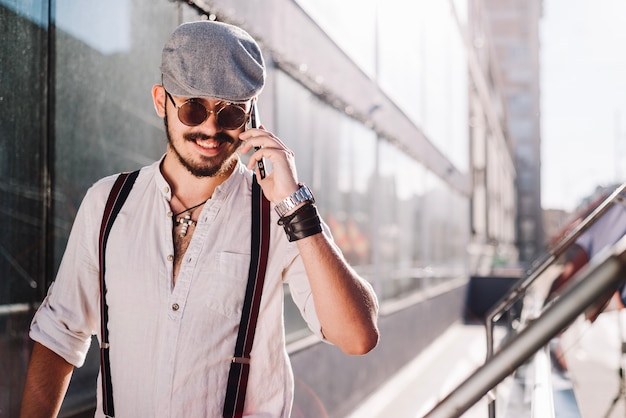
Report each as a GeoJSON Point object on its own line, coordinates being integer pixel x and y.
{"type": "Point", "coordinates": [220, 137]}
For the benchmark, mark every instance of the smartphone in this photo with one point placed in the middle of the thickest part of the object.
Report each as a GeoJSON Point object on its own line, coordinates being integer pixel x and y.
{"type": "Point", "coordinates": [255, 122]}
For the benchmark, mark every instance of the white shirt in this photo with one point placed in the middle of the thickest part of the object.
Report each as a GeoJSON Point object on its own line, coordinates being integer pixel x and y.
{"type": "Point", "coordinates": [171, 346]}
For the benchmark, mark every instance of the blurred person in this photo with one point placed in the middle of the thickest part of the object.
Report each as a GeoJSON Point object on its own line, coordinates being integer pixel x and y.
{"type": "Point", "coordinates": [178, 256]}
{"type": "Point", "coordinates": [607, 230]}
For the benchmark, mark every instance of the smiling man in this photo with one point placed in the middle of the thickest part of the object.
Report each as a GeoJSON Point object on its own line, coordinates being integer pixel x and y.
{"type": "Point", "coordinates": [180, 253]}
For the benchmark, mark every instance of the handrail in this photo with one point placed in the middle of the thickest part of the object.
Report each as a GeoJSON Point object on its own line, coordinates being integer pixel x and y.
{"type": "Point", "coordinates": [520, 287]}
{"type": "Point", "coordinates": [601, 275]}
{"type": "Point", "coordinates": [522, 284]}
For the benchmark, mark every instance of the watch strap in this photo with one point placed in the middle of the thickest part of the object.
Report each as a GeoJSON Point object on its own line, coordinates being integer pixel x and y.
{"type": "Point", "coordinates": [303, 194]}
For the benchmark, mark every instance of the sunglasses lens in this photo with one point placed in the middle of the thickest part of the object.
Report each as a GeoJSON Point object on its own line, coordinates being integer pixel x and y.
{"type": "Point", "coordinates": [192, 113]}
{"type": "Point", "coordinates": [231, 117]}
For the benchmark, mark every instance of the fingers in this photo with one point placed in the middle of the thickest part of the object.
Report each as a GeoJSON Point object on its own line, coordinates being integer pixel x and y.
{"type": "Point", "coordinates": [277, 156]}
{"type": "Point", "coordinates": [260, 138]}
{"type": "Point", "coordinates": [282, 179]}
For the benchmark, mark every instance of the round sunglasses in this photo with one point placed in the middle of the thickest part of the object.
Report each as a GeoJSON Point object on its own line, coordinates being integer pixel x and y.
{"type": "Point", "coordinates": [193, 113]}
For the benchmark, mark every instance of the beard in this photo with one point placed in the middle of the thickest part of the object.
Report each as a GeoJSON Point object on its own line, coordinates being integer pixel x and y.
{"type": "Point", "coordinates": [208, 166]}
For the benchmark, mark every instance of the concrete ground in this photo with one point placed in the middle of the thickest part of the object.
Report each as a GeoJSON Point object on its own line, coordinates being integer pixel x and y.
{"type": "Point", "coordinates": [593, 353]}
{"type": "Point", "coordinates": [418, 387]}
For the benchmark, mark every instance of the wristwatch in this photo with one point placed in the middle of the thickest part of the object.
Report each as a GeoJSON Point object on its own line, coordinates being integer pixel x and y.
{"type": "Point", "coordinates": [303, 194]}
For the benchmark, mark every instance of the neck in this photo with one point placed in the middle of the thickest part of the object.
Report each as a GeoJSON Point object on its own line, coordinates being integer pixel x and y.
{"type": "Point", "coordinates": [187, 187]}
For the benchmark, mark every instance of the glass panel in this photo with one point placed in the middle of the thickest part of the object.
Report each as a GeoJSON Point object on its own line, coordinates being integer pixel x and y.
{"type": "Point", "coordinates": [351, 23]}
{"type": "Point", "coordinates": [360, 227]}
{"type": "Point", "coordinates": [336, 156]}
{"type": "Point", "coordinates": [424, 70]}
{"type": "Point", "coordinates": [23, 122]}
{"type": "Point", "coordinates": [401, 63]}
{"type": "Point", "coordinates": [105, 121]}
{"type": "Point", "coordinates": [297, 128]}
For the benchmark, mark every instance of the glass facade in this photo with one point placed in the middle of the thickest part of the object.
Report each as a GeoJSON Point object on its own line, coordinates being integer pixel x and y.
{"type": "Point", "coordinates": [397, 223]}
{"type": "Point", "coordinates": [24, 61]}
{"type": "Point", "coordinates": [75, 86]}
{"type": "Point", "coordinates": [352, 24]}
{"type": "Point", "coordinates": [422, 69]}
{"type": "Point", "coordinates": [420, 225]}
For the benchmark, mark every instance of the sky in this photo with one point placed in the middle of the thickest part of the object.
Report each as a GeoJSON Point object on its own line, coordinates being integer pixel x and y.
{"type": "Point", "coordinates": [583, 98]}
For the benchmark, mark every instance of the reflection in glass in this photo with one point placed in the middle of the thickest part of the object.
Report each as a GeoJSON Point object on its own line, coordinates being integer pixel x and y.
{"type": "Point", "coordinates": [352, 24]}
{"type": "Point", "coordinates": [104, 26]}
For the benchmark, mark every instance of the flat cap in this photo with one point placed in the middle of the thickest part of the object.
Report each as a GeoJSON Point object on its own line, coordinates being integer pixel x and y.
{"type": "Point", "coordinates": [212, 60]}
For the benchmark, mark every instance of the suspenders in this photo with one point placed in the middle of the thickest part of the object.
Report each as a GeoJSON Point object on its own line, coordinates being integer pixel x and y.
{"type": "Point", "coordinates": [117, 197]}
{"type": "Point", "coordinates": [240, 364]}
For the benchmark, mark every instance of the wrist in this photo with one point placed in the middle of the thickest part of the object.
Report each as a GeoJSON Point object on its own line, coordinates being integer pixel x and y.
{"type": "Point", "coordinates": [295, 200]}
{"type": "Point", "coordinates": [302, 223]}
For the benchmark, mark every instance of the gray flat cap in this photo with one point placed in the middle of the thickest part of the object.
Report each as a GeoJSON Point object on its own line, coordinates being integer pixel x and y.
{"type": "Point", "coordinates": [212, 60]}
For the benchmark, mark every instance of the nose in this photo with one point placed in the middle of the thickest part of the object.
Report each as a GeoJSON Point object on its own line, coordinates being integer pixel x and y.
{"type": "Point", "coordinates": [210, 123]}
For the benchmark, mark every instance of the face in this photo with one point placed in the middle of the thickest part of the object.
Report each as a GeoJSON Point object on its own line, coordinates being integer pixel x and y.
{"type": "Point", "coordinates": [205, 150]}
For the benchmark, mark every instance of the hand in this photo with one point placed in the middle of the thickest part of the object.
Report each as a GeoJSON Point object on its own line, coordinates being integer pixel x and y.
{"type": "Point", "coordinates": [282, 181]}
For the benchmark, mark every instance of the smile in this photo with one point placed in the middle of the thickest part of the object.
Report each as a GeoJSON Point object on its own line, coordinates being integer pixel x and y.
{"type": "Point", "coordinates": [207, 145]}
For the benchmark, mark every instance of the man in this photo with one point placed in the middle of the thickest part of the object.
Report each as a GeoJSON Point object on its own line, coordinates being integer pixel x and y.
{"type": "Point", "coordinates": [178, 255]}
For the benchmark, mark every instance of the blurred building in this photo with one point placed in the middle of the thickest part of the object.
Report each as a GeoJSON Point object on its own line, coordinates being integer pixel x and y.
{"type": "Point", "coordinates": [494, 200]}
{"type": "Point", "coordinates": [514, 28]}
{"type": "Point", "coordinates": [395, 113]}
{"type": "Point", "coordinates": [555, 222]}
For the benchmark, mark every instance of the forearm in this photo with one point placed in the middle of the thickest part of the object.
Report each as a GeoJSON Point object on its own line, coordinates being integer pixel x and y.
{"type": "Point", "coordinates": [47, 380]}
{"type": "Point", "coordinates": [345, 305]}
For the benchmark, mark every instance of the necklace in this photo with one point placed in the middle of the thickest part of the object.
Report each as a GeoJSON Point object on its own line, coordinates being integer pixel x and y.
{"type": "Point", "coordinates": [186, 220]}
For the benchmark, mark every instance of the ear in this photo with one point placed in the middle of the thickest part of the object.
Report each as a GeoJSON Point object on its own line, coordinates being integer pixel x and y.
{"type": "Point", "coordinates": [159, 98]}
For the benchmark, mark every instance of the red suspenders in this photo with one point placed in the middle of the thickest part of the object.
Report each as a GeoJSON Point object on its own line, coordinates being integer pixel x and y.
{"type": "Point", "coordinates": [240, 365]}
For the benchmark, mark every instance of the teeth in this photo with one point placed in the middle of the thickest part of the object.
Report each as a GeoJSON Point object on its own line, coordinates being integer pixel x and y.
{"type": "Point", "coordinates": [206, 145]}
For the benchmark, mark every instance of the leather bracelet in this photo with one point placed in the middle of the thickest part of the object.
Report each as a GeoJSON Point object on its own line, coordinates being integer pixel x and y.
{"type": "Point", "coordinates": [304, 222]}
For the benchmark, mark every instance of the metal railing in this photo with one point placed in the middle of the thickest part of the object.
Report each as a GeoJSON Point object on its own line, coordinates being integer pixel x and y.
{"type": "Point", "coordinates": [519, 289]}
{"type": "Point", "coordinates": [600, 276]}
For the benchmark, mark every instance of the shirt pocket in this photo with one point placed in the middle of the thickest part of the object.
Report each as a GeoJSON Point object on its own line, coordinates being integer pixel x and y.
{"type": "Point", "coordinates": [226, 283]}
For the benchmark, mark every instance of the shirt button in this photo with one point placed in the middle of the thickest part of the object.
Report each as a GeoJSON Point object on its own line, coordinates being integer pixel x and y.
{"type": "Point", "coordinates": [175, 307]}
{"type": "Point", "coordinates": [170, 257]}
{"type": "Point", "coordinates": [169, 214]}
{"type": "Point", "coordinates": [166, 190]}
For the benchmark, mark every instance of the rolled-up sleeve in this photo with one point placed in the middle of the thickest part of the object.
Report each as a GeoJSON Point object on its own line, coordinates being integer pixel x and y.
{"type": "Point", "coordinates": [68, 316]}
